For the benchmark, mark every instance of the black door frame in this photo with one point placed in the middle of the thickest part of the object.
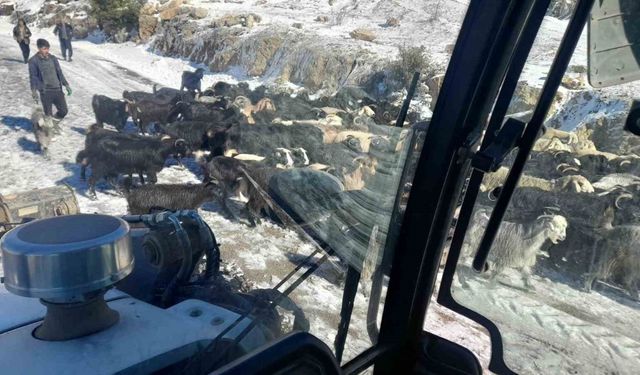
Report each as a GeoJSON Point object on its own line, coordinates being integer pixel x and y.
{"type": "Point", "coordinates": [494, 37]}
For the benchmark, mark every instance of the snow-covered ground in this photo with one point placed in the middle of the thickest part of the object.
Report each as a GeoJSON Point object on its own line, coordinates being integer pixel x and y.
{"type": "Point", "coordinates": [583, 331]}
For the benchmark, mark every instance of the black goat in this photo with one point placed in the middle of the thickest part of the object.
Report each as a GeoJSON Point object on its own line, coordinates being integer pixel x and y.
{"type": "Point", "coordinates": [110, 111]}
{"type": "Point", "coordinates": [199, 135]}
{"type": "Point", "coordinates": [229, 174]}
{"type": "Point", "coordinates": [94, 134]}
{"type": "Point", "coordinates": [134, 96]}
{"type": "Point", "coordinates": [173, 197]}
{"type": "Point", "coordinates": [192, 81]}
{"type": "Point", "coordinates": [172, 95]}
{"type": "Point", "coordinates": [110, 156]}
{"type": "Point", "coordinates": [212, 112]}
{"type": "Point", "coordinates": [145, 112]}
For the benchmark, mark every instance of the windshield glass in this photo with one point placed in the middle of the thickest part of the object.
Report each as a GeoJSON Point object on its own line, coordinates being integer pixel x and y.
{"type": "Point", "coordinates": [280, 122]}
{"type": "Point", "coordinates": [561, 282]}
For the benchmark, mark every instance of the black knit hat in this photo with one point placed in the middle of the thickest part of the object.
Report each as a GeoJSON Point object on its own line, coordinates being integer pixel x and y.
{"type": "Point", "coordinates": [41, 43]}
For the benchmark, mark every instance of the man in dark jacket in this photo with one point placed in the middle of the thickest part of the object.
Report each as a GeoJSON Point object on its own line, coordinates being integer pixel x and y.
{"type": "Point", "coordinates": [47, 81]}
{"type": "Point", "coordinates": [21, 34]}
{"type": "Point", "coordinates": [64, 31]}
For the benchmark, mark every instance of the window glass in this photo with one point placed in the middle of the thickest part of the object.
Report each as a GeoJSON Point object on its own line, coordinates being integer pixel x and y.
{"type": "Point", "coordinates": [562, 277]}
{"type": "Point", "coordinates": [289, 115]}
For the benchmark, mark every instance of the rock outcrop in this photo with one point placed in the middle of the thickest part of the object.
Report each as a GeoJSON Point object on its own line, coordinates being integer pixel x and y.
{"type": "Point", "coordinates": [277, 53]}
{"type": "Point", "coordinates": [7, 8]}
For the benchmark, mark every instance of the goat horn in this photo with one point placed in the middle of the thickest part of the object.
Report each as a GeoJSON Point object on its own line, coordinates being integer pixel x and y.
{"type": "Point", "coordinates": [621, 197]}
{"type": "Point", "coordinates": [570, 168]}
{"type": "Point", "coordinates": [614, 189]}
{"type": "Point", "coordinates": [358, 159]}
{"type": "Point", "coordinates": [624, 162]}
{"type": "Point", "coordinates": [562, 165]}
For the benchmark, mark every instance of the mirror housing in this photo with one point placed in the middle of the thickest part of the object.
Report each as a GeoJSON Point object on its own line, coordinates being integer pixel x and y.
{"type": "Point", "coordinates": [614, 42]}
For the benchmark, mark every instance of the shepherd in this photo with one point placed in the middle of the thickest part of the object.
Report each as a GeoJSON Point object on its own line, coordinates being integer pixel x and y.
{"type": "Point", "coordinates": [47, 80]}
{"type": "Point", "coordinates": [21, 34]}
{"type": "Point", "coordinates": [64, 31]}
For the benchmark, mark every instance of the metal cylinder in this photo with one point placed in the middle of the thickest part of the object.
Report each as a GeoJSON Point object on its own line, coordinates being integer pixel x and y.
{"type": "Point", "coordinates": [65, 258]}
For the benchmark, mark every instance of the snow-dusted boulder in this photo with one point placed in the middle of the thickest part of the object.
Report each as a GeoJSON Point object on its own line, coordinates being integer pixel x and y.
{"type": "Point", "coordinates": [7, 8]}
{"type": "Point", "coordinates": [363, 34]}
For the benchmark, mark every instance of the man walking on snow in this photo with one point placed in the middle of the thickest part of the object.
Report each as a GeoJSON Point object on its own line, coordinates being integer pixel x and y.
{"type": "Point", "coordinates": [46, 80]}
{"type": "Point", "coordinates": [64, 31]}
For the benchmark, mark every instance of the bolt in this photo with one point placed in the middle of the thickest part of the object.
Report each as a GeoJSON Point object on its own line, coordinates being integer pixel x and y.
{"type": "Point", "coordinates": [195, 313]}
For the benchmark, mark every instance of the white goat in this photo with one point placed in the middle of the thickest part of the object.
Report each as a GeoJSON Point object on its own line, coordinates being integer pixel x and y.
{"type": "Point", "coordinates": [516, 245]}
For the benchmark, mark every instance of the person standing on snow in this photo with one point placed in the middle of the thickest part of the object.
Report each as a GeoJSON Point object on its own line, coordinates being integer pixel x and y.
{"type": "Point", "coordinates": [64, 31]}
{"type": "Point", "coordinates": [47, 80]}
{"type": "Point", "coordinates": [21, 34]}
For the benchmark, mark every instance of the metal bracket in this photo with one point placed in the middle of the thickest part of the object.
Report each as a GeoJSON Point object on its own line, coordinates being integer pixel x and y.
{"type": "Point", "coordinates": [507, 139]}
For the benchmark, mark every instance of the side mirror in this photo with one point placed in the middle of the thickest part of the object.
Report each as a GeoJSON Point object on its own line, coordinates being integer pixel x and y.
{"type": "Point", "coordinates": [614, 42]}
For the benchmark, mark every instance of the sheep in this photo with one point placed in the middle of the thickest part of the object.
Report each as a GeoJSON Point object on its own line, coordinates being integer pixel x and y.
{"type": "Point", "coordinates": [517, 244]}
{"type": "Point", "coordinates": [173, 197]}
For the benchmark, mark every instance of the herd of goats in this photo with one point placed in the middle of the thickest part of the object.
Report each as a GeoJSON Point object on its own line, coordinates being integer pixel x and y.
{"type": "Point", "coordinates": [290, 158]}
{"type": "Point", "coordinates": [334, 164]}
